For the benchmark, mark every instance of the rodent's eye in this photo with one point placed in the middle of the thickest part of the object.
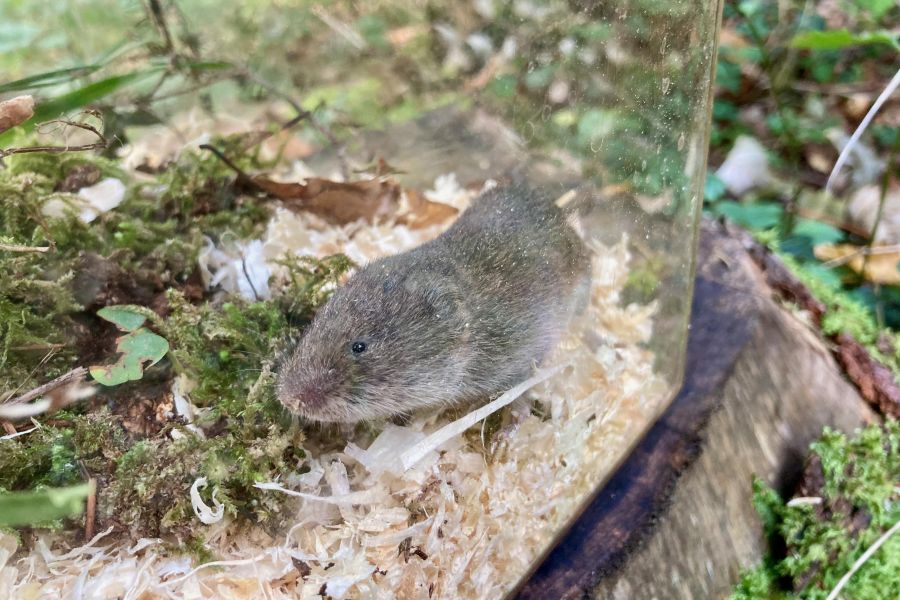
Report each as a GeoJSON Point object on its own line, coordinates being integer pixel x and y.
{"type": "Point", "coordinates": [358, 347]}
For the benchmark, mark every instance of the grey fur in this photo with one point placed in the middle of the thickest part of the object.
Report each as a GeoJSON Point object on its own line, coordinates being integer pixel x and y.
{"type": "Point", "coordinates": [459, 318]}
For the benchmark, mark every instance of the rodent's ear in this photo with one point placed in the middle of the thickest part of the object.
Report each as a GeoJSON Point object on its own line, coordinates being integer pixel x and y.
{"type": "Point", "coordinates": [442, 301]}
{"type": "Point", "coordinates": [437, 294]}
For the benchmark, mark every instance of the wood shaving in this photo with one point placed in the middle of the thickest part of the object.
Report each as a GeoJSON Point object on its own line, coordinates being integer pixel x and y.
{"type": "Point", "coordinates": [467, 520]}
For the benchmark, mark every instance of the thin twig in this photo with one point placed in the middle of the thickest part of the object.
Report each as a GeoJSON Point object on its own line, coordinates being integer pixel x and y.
{"type": "Point", "coordinates": [862, 560]}
{"type": "Point", "coordinates": [17, 248]}
{"type": "Point", "coordinates": [248, 278]}
{"type": "Point", "coordinates": [50, 353]}
{"type": "Point", "coordinates": [90, 514]}
{"type": "Point", "coordinates": [243, 177]}
{"type": "Point", "coordinates": [18, 433]}
{"type": "Point", "coordinates": [864, 251]}
{"type": "Point", "coordinates": [35, 347]}
{"type": "Point", "coordinates": [158, 16]}
{"type": "Point", "coordinates": [75, 374]}
{"type": "Point", "coordinates": [324, 131]}
{"type": "Point", "coordinates": [851, 143]}
{"type": "Point", "coordinates": [263, 136]}
{"type": "Point", "coordinates": [885, 183]}
{"type": "Point", "coordinates": [103, 143]}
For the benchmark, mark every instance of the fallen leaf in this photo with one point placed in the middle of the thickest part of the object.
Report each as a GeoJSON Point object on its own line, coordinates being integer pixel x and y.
{"type": "Point", "coordinates": [15, 112]}
{"type": "Point", "coordinates": [881, 267]}
{"type": "Point", "coordinates": [335, 201]}
{"type": "Point", "coordinates": [422, 212]}
{"type": "Point", "coordinates": [139, 349]}
{"type": "Point", "coordinates": [122, 317]}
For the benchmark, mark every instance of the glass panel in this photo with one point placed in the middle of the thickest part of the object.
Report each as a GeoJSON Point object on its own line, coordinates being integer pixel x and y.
{"type": "Point", "coordinates": [575, 134]}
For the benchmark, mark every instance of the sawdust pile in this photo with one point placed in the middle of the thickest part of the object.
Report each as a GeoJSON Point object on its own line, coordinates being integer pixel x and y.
{"type": "Point", "coordinates": [466, 520]}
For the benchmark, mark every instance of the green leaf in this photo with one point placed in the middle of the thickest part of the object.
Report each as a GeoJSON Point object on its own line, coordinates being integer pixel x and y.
{"type": "Point", "coordinates": [540, 77]}
{"type": "Point", "coordinates": [88, 94]}
{"type": "Point", "coordinates": [209, 65]}
{"type": "Point", "coordinates": [503, 86]}
{"type": "Point", "coordinates": [837, 39]}
{"type": "Point", "coordinates": [818, 232]}
{"type": "Point", "coordinates": [877, 8]}
{"type": "Point", "coordinates": [714, 188]}
{"type": "Point", "coordinates": [756, 215]}
{"type": "Point", "coordinates": [47, 79]}
{"type": "Point", "coordinates": [139, 349]}
{"type": "Point", "coordinates": [41, 506]}
{"type": "Point", "coordinates": [122, 317]}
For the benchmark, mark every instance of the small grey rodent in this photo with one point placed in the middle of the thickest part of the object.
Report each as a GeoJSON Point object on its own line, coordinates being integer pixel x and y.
{"type": "Point", "coordinates": [461, 317]}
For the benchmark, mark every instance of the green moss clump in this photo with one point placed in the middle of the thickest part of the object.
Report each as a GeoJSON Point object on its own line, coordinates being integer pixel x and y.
{"type": "Point", "coordinates": [844, 314]}
{"type": "Point", "coordinates": [856, 480]}
{"type": "Point", "coordinates": [226, 349]}
{"type": "Point", "coordinates": [54, 455]}
{"type": "Point", "coordinates": [153, 237]}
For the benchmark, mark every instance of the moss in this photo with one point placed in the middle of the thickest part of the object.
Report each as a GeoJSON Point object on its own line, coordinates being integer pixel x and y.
{"type": "Point", "coordinates": [55, 455]}
{"type": "Point", "coordinates": [844, 314]}
{"type": "Point", "coordinates": [227, 349]}
{"type": "Point", "coordinates": [856, 480]}
{"type": "Point", "coordinates": [643, 282]}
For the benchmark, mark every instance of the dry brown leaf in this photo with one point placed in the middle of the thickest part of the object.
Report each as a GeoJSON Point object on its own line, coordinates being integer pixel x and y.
{"type": "Point", "coordinates": [423, 212]}
{"type": "Point", "coordinates": [335, 201]}
{"type": "Point", "coordinates": [881, 267]}
{"type": "Point", "coordinates": [15, 112]}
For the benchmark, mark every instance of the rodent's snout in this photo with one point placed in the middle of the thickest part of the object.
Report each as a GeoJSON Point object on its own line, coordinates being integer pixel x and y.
{"type": "Point", "coordinates": [308, 396]}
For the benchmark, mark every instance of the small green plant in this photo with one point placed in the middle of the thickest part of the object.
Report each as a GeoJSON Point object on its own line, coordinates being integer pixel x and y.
{"type": "Point", "coordinates": [852, 483]}
{"type": "Point", "coordinates": [42, 506]}
{"type": "Point", "coordinates": [140, 348]}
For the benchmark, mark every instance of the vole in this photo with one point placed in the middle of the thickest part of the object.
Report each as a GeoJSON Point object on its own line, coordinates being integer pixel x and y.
{"type": "Point", "coordinates": [462, 317]}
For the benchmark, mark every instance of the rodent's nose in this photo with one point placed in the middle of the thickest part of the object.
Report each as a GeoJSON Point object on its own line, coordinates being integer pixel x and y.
{"type": "Point", "coordinates": [311, 396]}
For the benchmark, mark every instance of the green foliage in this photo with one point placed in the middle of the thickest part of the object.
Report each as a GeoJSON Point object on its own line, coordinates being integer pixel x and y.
{"type": "Point", "coordinates": [838, 39]}
{"type": "Point", "coordinates": [139, 347]}
{"type": "Point", "coordinates": [227, 348]}
{"type": "Point", "coordinates": [42, 506]}
{"type": "Point", "coordinates": [860, 502]}
{"type": "Point", "coordinates": [844, 314]}
{"type": "Point", "coordinates": [752, 215]}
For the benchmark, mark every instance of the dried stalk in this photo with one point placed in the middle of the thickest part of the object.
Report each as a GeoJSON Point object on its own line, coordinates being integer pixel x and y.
{"type": "Point", "coordinates": [99, 145]}
{"type": "Point", "coordinates": [72, 376]}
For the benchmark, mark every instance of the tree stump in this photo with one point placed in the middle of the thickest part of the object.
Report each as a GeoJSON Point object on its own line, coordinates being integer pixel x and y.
{"type": "Point", "coordinates": [675, 520]}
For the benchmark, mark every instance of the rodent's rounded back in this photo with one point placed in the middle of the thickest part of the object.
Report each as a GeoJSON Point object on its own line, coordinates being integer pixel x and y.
{"type": "Point", "coordinates": [461, 317]}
